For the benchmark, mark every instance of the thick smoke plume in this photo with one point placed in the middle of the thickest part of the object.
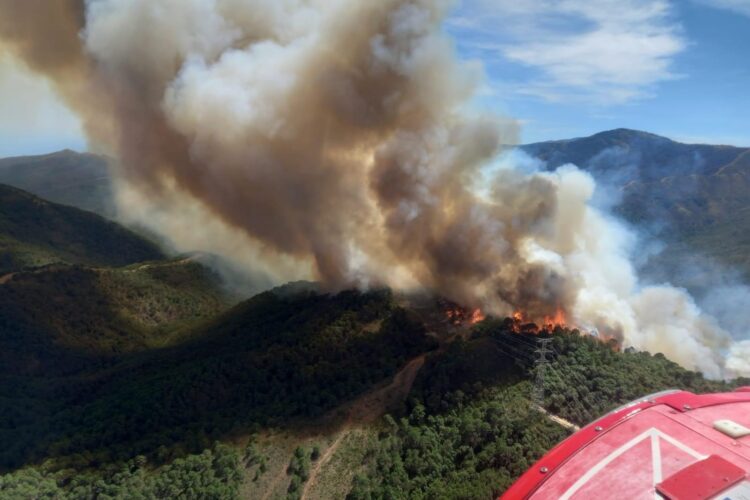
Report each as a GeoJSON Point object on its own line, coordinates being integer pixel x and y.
{"type": "Point", "coordinates": [332, 138]}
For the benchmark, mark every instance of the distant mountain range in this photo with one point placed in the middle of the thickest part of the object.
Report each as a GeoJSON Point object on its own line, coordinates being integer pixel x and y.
{"type": "Point", "coordinates": [695, 197]}
{"type": "Point", "coordinates": [81, 180]}
{"type": "Point", "coordinates": [662, 181]}
{"type": "Point", "coordinates": [636, 156]}
{"type": "Point", "coordinates": [35, 232]}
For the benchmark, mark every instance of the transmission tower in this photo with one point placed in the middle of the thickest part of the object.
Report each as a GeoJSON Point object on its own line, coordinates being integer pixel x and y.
{"type": "Point", "coordinates": [540, 364]}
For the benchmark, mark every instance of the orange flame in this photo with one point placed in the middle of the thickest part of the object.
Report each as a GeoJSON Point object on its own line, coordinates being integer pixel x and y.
{"type": "Point", "coordinates": [457, 315]}
{"type": "Point", "coordinates": [522, 322]}
{"type": "Point", "coordinates": [476, 316]}
{"type": "Point", "coordinates": [558, 319]}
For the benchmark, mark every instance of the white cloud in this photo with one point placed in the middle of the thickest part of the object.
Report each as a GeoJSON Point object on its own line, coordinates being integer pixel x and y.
{"type": "Point", "coordinates": [606, 51]}
{"type": "Point", "coordinates": [739, 6]}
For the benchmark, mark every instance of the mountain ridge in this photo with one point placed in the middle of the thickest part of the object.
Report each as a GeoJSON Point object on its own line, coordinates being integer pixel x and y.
{"type": "Point", "coordinates": [656, 156]}
{"type": "Point", "coordinates": [36, 232]}
{"type": "Point", "coordinates": [691, 196]}
{"type": "Point", "coordinates": [625, 132]}
{"type": "Point", "coordinates": [692, 193]}
{"type": "Point", "coordinates": [67, 177]}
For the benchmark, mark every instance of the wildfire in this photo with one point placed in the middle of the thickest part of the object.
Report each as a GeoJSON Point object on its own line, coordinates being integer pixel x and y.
{"type": "Point", "coordinates": [476, 316]}
{"type": "Point", "coordinates": [558, 319]}
{"type": "Point", "coordinates": [455, 315]}
{"type": "Point", "coordinates": [523, 323]}
{"type": "Point", "coordinates": [458, 315]}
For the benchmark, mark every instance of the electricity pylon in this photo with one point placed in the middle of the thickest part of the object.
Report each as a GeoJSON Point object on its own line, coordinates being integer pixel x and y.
{"type": "Point", "coordinates": [540, 364]}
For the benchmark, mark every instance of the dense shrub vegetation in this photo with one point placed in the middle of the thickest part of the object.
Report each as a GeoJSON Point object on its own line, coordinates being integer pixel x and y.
{"type": "Point", "coordinates": [262, 363]}
{"type": "Point", "coordinates": [473, 450]}
{"type": "Point", "coordinates": [471, 430]}
{"type": "Point", "coordinates": [467, 431]}
{"type": "Point", "coordinates": [56, 318]}
{"type": "Point", "coordinates": [213, 474]}
{"type": "Point", "coordinates": [588, 378]}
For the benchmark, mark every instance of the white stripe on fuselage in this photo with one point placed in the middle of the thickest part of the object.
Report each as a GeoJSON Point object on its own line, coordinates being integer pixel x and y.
{"type": "Point", "coordinates": [653, 434]}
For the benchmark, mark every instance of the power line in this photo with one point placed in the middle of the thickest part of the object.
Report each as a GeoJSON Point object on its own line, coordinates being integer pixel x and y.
{"type": "Point", "coordinates": [526, 345]}
{"type": "Point", "coordinates": [541, 363]}
{"type": "Point", "coordinates": [514, 353]}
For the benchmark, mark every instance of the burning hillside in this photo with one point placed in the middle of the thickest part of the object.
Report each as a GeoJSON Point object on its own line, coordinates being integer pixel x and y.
{"type": "Point", "coordinates": [550, 322]}
{"type": "Point", "coordinates": [331, 140]}
{"type": "Point", "coordinates": [457, 315]}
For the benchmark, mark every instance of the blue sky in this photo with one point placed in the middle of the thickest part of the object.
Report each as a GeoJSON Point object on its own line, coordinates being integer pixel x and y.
{"type": "Point", "coordinates": [569, 68]}
{"type": "Point", "coordinates": [564, 68]}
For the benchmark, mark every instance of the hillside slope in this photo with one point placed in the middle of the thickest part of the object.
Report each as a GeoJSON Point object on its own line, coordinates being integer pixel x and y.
{"type": "Point", "coordinates": [272, 366]}
{"type": "Point", "coordinates": [696, 196]}
{"type": "Point", "coordinates": [268, 360]}
{"type": "Point", "coordinates": [77, 290]}
{"type": "Point", "coordinates": [470, 430]}
{"type": "Point", "coordinates": [79, 180]}
{"type": "Point", "coordinates": [35, 232]}
{"type": "Point", "coordinates": [63, 319]}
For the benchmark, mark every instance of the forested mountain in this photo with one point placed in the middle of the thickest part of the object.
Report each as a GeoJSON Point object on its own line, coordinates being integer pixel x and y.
{"type": "Point", "coordinates": [76, 179]}
{"type": "Point", "coordinates": [268, 361]}
{"type": "Point", "coordinates": [635, 155]}
{"type": "Point", "coordinates": [696, 197]}
{"type": "Point", "coordinates": [36, 232]}
{"type": "Point", "coordinates": [60, 319]}
{"type": "Point", "coordinates": [127, 374]}
{"type": "Point", "coordinates": [466, 430]}
{"type": "Point", "coordinates": [470, 430]}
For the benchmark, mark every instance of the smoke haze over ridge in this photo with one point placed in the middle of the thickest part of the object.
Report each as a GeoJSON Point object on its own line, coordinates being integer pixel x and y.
{"type": "Point", "coordinates": [332, 140]}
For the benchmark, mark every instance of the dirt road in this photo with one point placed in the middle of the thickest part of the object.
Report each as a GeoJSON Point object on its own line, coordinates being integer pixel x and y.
{"type": "Point", "coordinates": [367, 409]}
{"type": "Point", "coordinates": [559, 420]}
